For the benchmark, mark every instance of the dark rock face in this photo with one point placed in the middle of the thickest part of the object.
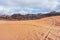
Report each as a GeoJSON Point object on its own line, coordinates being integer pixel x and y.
{"type": "Point", "coordinates": [5, 17]}
{"type": "Point", "coordinates": [17, 16]}
{"type": "Point", "coordinates": [28, 16]}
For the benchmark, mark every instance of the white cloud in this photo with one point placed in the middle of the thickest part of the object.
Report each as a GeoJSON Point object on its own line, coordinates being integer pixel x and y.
{"type": "Point", "coordinates": [1, 8]}
{"type": "Point", "coordinates": [53, 4]}
{"type": "Point", "coordinates": [23, 12]}
{"type": "Point", "coordinates": [26, 6]}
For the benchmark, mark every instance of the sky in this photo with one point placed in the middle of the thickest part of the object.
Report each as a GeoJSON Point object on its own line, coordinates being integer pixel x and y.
{"type": "Point", "coordinates": [28, 6]}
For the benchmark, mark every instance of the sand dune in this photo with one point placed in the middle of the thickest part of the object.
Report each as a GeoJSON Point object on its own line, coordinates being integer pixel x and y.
{"type": "Point", "coordinates": [42, 29]}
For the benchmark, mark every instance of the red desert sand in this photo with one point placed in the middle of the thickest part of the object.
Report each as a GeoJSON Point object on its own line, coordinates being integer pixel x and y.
{"type": "Point", "coordinates": [41, 29]}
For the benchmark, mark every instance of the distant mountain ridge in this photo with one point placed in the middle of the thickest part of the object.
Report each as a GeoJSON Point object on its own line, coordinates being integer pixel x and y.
{"type": "Point", "coordinates": [28, 16]}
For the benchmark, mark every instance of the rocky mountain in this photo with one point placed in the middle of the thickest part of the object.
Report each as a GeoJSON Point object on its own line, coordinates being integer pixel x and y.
{"type": "Point", "coordinates": [28, 16]}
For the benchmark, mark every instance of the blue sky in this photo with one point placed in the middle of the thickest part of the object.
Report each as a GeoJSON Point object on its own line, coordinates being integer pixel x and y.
{"type": "Point", "coordinates": [28, 6]}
